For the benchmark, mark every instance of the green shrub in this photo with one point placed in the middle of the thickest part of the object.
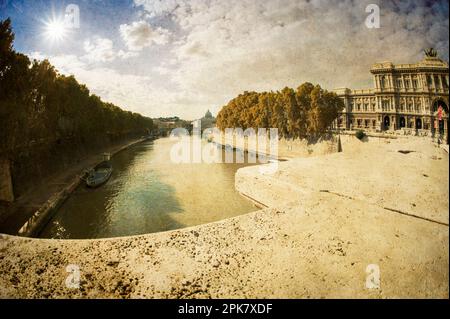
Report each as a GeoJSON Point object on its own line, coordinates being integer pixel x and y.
{"type": "Point", "coordinates": [360, 135]}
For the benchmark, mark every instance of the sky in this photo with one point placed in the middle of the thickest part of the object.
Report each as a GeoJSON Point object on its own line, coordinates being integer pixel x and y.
{"type": "Point", "coordinates": [181, 58]}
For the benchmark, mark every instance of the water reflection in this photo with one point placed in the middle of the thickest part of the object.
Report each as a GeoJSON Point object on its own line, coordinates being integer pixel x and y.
{"type": "Point", "coordinates": [148, 193]}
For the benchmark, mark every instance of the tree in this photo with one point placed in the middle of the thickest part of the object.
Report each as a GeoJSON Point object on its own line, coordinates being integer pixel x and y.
{"type": "Point", "coordinates": [308, 111]}
{"type": "Point", "coordinates": [6, 42]}
{"type": "Point", "coordinates": [41, 110]}
{"type": "Point", "coordinates": [324, 110]}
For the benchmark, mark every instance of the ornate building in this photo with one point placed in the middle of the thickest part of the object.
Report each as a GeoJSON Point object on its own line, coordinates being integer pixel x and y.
{"type": "Point", "coordinates": [406, 98]}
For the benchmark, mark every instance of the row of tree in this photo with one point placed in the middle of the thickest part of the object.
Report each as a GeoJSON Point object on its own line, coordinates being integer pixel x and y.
{"type": "Point", "coordinates": [306, 112]}
{"type": "Point", "coordinates": [38, 105]}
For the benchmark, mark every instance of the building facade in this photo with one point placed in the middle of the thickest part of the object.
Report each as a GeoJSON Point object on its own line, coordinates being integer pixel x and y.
{"type": "Point", "coordinates": [406, 99]}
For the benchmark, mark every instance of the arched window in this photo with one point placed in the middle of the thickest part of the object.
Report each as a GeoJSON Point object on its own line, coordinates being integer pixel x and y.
{"type": "Point", "coordinates": [419, 124]}
{"type": "Point", "coordinates": [383, 82]}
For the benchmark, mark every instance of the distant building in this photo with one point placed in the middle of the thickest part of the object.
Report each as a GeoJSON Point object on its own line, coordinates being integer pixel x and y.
{"type": "Point", "coordinates": [208, 115]}
{"type": "Point", "coordinates": [412, 98]}
{"type": "Point", "coordinates": [172, 119]}
{"type": "Point", "coordinates": [208, 120]}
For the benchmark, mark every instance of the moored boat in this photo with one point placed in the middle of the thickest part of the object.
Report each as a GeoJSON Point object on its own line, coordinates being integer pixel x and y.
{"type": "Point", "coordinates": [100, 174]}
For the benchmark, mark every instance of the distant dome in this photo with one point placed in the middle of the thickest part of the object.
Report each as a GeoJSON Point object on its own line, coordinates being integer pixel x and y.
{"type": "Point", "coordinates": [208, 115]}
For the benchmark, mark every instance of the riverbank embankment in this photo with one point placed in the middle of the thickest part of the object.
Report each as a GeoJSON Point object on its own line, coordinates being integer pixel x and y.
{"type": "Point", "coordinates": [29, 213]}
{"type": "Point", "coordinates": [285, 148]}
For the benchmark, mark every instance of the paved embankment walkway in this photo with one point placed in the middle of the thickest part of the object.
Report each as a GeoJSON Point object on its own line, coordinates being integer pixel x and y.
{"type": "Point", "coordinates": [50, 190]}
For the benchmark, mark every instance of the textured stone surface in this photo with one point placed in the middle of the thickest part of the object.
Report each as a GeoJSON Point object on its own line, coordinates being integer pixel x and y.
{"type": "Point", "coordinates": [292, 252]}
{"type": "Point", "coordinates": [408, 175]}
{"type": "Point", "coordinates": [307, 244]}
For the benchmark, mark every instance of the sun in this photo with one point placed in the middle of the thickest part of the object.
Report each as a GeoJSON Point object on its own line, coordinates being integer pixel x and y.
{"type": "Point", "coordinates": [55, 30]}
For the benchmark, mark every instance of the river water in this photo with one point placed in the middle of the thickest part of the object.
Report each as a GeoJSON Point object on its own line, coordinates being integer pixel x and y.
{"type": "Point", "coordinates": [149, 193]}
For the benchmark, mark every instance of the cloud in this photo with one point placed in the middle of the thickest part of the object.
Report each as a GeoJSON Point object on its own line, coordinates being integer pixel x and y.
{"type": "Point", "coordinates": [102, 50]}
{"type": "Point", "coordinates": [226, 47]}
{"type": "Point", "coordinates": [218, 49]}
{"type": "Point", "coordinates": [138, 93]}
{"type": "Point", "coordinates": [99, 50]}
{"type": "Point", "coordinates": [140, 34]}
{"type": "Point", "coordinates": [158, 8]}
{"type": "Point", "coordinates": [127, 54]}
{"type": "Point", "coordinates": [66, 64]}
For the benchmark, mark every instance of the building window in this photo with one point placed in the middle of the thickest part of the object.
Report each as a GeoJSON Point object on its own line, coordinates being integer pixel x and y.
{"type": "Point", "coordinates": [410, 124]}
{"type": "Point", "coordinates": [399, 83]}
{"type": "Point", "coordinates": [407, 84]}
{"type": "Point", "coordinates": [436, 81]}
{"type": "Point", "coordinates": [415, 84]}
{"type": "Point", "coordinates": [383, 82]}
{"type": "Point", "coordinates": [429, 80]}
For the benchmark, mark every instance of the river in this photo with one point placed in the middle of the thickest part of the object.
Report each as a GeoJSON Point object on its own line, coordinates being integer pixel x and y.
{"type": "Point", "coordinates": [148, 193]}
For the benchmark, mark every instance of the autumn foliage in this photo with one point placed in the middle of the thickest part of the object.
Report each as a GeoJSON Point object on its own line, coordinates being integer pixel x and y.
{"type": "Point", "coordinates": [306, 112]}
{"type": "Point", "coordinates": [38, 105]}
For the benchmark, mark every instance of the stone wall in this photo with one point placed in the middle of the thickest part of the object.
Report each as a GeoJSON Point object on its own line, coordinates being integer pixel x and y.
{"type": "Point", "coordinates": [287, 148]}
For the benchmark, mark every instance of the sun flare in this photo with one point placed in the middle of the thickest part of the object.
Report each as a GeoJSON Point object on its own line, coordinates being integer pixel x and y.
{"type": "Point", "coordinates": [55, 30]}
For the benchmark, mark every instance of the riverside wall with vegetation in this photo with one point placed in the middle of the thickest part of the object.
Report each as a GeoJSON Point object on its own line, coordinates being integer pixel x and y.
{"type": "Point", "coordinates": [303, 118]}
{"type": "Point", "coordinates": [286, 147]}
{"type": "Point", "coordinates": [50, 121]}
